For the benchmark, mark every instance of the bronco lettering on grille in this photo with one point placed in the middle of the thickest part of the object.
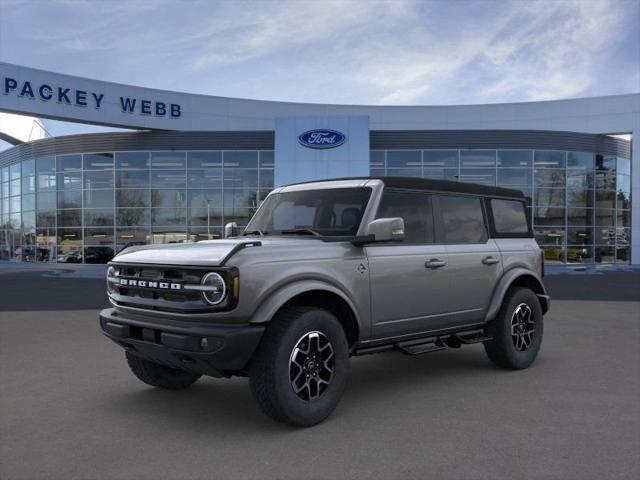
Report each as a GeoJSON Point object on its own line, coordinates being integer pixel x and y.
{"type": "Point", "coordinates": [149, 284]}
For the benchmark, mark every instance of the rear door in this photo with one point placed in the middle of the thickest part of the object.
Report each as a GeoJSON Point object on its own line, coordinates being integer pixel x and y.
{"type": "Point", "coordinates": [409, 279]}
{"type": "Point", "coordinates": [474, 260]}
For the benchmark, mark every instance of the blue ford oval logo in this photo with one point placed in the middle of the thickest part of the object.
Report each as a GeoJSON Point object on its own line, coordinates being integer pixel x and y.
{"type": "Point", "coordinates": [322, 138]}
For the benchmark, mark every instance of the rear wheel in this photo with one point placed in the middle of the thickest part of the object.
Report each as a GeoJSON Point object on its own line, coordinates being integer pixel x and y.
{"type": "Point", "coordinates": [516, 331]}
{"type": "Point", "coordinates": [160, 376]}
{"type": "Point", "coordinates": [299, 371]}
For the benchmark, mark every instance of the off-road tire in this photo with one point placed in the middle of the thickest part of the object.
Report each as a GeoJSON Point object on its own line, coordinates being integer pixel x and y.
{"type": "Point", "coordinates": [501, 349]}
{"type": "Point", "coordinates": [160, 376]}
{"type": "Point", "coordinates": [270, 369]}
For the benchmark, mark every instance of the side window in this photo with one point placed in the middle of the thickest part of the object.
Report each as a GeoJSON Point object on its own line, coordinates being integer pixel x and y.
{"type": "Point", "coordinates": [509, 216]}
{"type": "Point", "coordinates": [414, 209]}
{"type": "Point", "coordinates": [462, 219]}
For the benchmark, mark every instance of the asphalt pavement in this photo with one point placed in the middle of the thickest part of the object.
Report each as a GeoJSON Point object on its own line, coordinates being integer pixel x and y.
{"type": "Point", "coordinates": [70, 409]}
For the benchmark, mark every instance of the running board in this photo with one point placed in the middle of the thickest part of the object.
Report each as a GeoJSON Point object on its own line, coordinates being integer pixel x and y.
{"type": "Point", "coordinates": [429, 344]}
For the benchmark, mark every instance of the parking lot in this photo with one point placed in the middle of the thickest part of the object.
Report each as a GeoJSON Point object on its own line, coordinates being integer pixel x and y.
{"type": "Point", "coordinates": [70, 409]}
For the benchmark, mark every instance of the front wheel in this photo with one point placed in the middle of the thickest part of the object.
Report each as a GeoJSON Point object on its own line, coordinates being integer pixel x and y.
{"type": "Point", "coordinates": [516, 331]}
{"type": "Point", "coordinates": [299, 371]}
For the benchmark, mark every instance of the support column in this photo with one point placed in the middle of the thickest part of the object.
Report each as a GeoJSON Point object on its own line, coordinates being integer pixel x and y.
{"type": "Point", "coordinates": [635, 197]}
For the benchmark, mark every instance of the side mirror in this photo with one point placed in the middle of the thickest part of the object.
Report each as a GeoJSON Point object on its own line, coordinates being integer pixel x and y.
{"type": "Point", "coordinates": [231, 230]}
{"type": "Point", "coordinates": [387, 229]}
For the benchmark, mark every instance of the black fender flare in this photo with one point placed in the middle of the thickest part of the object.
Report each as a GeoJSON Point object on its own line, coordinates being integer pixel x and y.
{"type": "Point", "coordinates": [518, 274]}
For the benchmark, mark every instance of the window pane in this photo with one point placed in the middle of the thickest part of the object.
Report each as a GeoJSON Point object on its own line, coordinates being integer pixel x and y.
{"type": "Point", "coordinates": [133, 216]}
{"type": "Point", "coordinates": [240, 178]}
{"type": "Point", "coordinates": [579, 254]}
{"type": "Point", "coordinates": [69, 162]}
{"type": "Point", "coordinates": [98, 199]}
{"type": "Point", "coordinates": [29, 202]}
{"type": "Point", "coordinates": [132, 179]}
{"type": "Point", "coordinates": [580, 236]}
{"type": "Point", "coordinates": [605, 163]}
{"type": "Point", "coordinates": [168, 198]}
{"type": "Point", "coordinates": [241, 159]}
{"type": "Point", "coordinates": [169, 217]}
{"type": "Point", "coordinates": [549, 196]}
{"type": "Point", "coordinates": [514, 176]}
{"type": "Point", "coordinates": [128, 237]}
{"type": "Point", "coordinates": [605, 180]}
{"type": "Point", "coordinates": [580, 216]}
{"type": "Point", "coordinates": [44, 165]}
{"type": "Point", "coordinates": [623, 183]}
{"type": "Point", "coordinates": [440, 158]}
{"type": "Point", "coordinates": [605, 217]}
{"type": "Point", "coordinates": [98, 217]}
{"type": "Point", "coordinates": [28, 184]}
{"type": "Point", "coordinates": [267, 159]}
{"type": "Point", "coordinates": [553, 255]}
{"type": "Point", "coordinates": [204, 159]}
{"type": "Point", "coordinates": [168, 179]}
{"type": "Point", "coordinates": [70, 218]}
{"type": "Point", "coordinates": [168, 160]}
{"type": "Point", "coordinates": [579, 178]}
{"type": "Point", "coordinates": [548, 216]}
{"type": "Point", "coordinates": [549, 178]}
{"type": "Point", "coordinates": [484, 176]}
{"type": "Point", "coordinates": [404, 158]}
{"type": "Point", "coordinates": [605, 235]}
{"type": "Point", "coordinates": [46, 181]}
{"type": "Point", "coordinates": [509, 216]}
{"type": "Point", "coordinates": [462, 219]}
{"type": "Point", "coordinates": [404, 172]}
{"type": "Point", "coordinates": [376, 159]}
{"type": "Point", "coordinates": [70, 199]}
{"type": "Point", "coordinates": [70, 180]}
{"type": "Point", "coordinates": [132, 198]}
{"type": "Point", "coordinates": [623, 200]}
{"type": "Point", "coordinates": [623, 218]}
{"type": "Point", "coordinates": [477, 158]}
{"type": "Point", "coordinates": [197, 234]}
{"type": "Point", "coordinates": [605, 199]}
{"type": "Point", "coordinates": [414, 209]}
{"type": "Point", "coordinates": [623, 255]}
{"type": "Point", "coordinates": [132, 160]}
{"type": "Point", "coordinates": [46, 219]}
{"type": "Point", "coordinates": [582, 160]}
{"type": "Point", "coordinates": [28, 168]}
{"type": "Point", "coordinates": [14, 187]}
{"type": "Point", "coordinates": [98, 254]}
{"type": "Point", "coordinates": [211, 199]}
{"type": "Point", "coordinates": [623, 166]}
{"type": "Point", "coordinates": [205, 178]}
{"type": "Point", "coordinates": [98, 179]}
{"type": "Point", "coordinates": [549, 159]}
{"type": "Point", "coordinates": [266, 179]}
{"type": "Point", "coordinates": [98, 161]}
{"type": "Point", "coordinates": [550, 236]}
{"type": "Point", "coordinates": [605, 254]}
{"type": "Point", "coordinates": [515, 158]}
{"type": "Point", "coordinates": [580, 198]}
{"type": "Point", "coordinates": [70, 245]}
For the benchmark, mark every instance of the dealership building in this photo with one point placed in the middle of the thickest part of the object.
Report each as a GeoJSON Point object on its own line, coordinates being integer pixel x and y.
{"type": "Point", "coordinates": [192, 163]}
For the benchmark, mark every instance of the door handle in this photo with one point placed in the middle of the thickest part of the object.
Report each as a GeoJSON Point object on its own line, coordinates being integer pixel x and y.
{"type": "Point", "coordinates": [434, 263]}
{"type": "Point", "coordinates": [490, 260]}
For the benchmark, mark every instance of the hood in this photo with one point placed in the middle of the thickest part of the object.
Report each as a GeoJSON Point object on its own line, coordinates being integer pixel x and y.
{"type": "Point", "coordinates": [211, 253]}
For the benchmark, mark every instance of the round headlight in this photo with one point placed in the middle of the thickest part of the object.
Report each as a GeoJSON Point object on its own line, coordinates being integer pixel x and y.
{"type": "Point", "coordinates": [215, 288]}
{"type": "Point", "coordinates": [111, 278]}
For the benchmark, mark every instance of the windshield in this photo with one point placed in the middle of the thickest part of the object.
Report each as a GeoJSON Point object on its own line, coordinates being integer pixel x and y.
{"type": "Point", "coordinates": [325, 212]}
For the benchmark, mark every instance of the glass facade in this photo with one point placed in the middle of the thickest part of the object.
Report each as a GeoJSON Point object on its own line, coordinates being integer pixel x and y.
{"type": "Point", "coordinates": [83, 208]}
{"type": "Point", "coordinates": [580, 202]}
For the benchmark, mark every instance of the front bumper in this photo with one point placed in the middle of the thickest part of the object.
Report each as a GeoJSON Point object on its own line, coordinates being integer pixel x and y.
{"type": "Point", "coordinates": [215, 350]}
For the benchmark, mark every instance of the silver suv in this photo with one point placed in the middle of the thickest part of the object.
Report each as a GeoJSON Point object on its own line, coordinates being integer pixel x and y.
{"type": "Point", "coordinates": [327, 270]}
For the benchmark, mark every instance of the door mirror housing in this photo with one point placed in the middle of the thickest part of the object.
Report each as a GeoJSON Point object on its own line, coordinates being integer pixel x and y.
{"type": "Point", "coordinates": [386, 229]}
{"type": "Point", "coordinates": [231, 230]}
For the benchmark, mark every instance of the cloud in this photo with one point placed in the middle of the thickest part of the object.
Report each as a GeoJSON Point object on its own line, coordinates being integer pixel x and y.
{"type": "Point", "coordinates": [338, 51]}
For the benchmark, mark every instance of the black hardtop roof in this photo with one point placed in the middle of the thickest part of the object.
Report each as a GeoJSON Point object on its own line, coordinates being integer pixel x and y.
{"type": "Point", "coordinates": [418, 183]}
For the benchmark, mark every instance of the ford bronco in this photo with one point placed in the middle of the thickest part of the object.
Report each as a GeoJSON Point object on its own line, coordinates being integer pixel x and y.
{"type": "Point", "coordinates": [327, 270]}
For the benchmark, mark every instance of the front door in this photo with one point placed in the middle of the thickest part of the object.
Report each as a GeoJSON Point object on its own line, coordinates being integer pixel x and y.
{"type": "Point", "coordinates": [409, 279]}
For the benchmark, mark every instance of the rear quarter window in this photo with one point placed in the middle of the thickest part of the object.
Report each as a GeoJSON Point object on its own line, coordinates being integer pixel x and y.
{"type": "Point", "coordinates": [509, 216]}
{"type": "Point", "coordinates": [462, 219]}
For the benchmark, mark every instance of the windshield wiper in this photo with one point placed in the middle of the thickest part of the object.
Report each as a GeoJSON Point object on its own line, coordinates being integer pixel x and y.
{"type": "Point", "coordinates": [254, 232]}
{"type": "Point", "coordinates": [301, 231]}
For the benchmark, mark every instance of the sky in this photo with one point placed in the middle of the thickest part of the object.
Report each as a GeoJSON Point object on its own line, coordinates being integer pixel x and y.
{"type": "Point", "coordinates": [396, 52]}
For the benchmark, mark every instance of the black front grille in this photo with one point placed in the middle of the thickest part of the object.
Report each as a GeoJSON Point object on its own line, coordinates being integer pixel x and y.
{"type": "Point", "coordinates": [150, 287]}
